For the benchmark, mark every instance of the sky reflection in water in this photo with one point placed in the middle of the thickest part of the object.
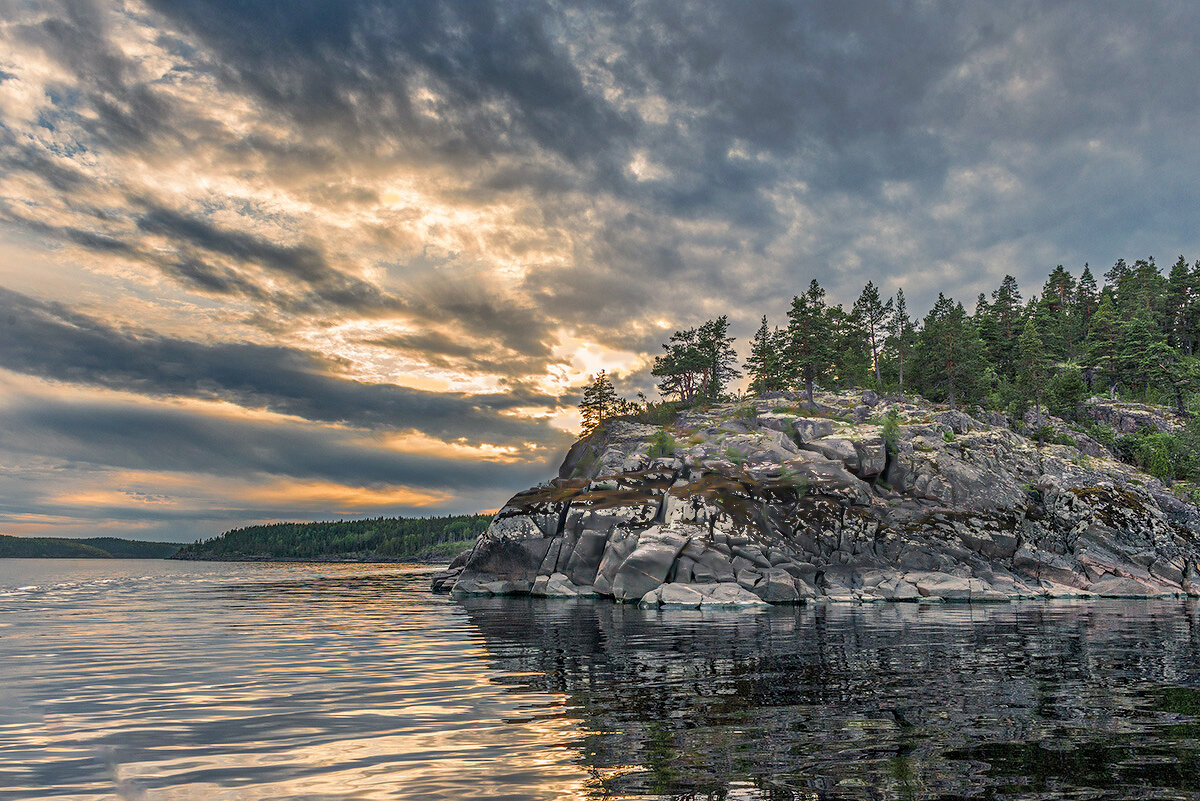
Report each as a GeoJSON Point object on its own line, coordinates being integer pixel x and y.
{"type": "Point", "coordinates": [159, 680]}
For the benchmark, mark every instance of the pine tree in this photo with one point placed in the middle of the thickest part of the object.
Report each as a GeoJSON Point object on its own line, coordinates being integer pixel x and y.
{"type": "Point", "coordinates": [765, 365]}
{"type": "Point", "coordinates": [810, 351]}
{"type": "Point", "coordinates": [1102, 349]}
{"type": "Point", "coordinates": [600, 402]}
{"type": "Point", "coordinates": [1056, 322]}
{"type": "Point", "coordinates": [1180, 306]}
{"type": "Point", "coordinates": [851, 360]}
{"type": "Point", "coordinates": [1004, 326]}
{"type": "Point", "coordinates": [1087, 298]}
{"type": "Point", "coordinates": [901, 334]}
{"type": "Point", "coordinates": [719, 359]}
{"type": "Point", "coordinates": [679, 368]}
{"type": "Point", "coordinates": [873, 315]}
{"type": "Point", "coordinates": [949, 355]}
{"type": "Point", "coordinates": [1139, 348]}
{"type": "Point", "coordinates": [698, 363]}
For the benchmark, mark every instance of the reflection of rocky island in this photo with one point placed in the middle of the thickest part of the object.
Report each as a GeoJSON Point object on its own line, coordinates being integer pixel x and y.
{"type": "Point", "coordinates": [774, 501]}
{"type": "Point", "coordinates": [866, 701]}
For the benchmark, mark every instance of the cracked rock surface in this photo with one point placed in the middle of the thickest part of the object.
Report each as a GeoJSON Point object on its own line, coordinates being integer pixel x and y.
{"type": "Point", "coordinates": [768, 501]}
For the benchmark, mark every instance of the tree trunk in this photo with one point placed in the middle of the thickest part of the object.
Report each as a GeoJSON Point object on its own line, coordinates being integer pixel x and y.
{"type": "Point", "coordinates": [1037, 409]}
{"type": "Point", "coordinates": [875, 361]}
{"type": "Point", "coordinates": [808, 385]}
{"type": "Point", "coordinates": [952, 406]}
{"type": "Point", "coordinates": [902, 379]}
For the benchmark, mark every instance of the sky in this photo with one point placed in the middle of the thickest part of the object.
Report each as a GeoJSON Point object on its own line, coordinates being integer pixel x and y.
{"type": "Point", "coordinates": [310, 260]}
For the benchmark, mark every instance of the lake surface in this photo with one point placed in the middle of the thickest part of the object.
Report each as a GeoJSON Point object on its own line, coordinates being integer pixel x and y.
{"type": "Point", "coordinates": [161, 680]}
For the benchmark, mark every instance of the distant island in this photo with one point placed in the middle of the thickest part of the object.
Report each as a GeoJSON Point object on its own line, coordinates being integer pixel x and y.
{"type": "Point", "coordinates": [381, 539]}
{"type": "Point", "coordinates": [90, 548]}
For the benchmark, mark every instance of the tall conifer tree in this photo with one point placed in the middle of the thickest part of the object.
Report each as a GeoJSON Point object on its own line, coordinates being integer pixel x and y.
{"type": "Point", "coordinates": [811, 349]}
{"type": "Point", "coordinates": [873, 315]}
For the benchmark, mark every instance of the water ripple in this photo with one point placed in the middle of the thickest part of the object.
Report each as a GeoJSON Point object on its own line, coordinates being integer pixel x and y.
{"type": "Point", "coordinates": [160, 680]}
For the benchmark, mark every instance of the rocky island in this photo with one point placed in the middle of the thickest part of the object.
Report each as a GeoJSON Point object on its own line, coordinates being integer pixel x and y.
{"type": "Point", "coordinates": [853, 498]}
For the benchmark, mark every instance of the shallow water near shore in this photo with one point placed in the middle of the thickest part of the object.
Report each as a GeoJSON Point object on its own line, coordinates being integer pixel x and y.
{"type": "Point", "coordinates": [167, 680]}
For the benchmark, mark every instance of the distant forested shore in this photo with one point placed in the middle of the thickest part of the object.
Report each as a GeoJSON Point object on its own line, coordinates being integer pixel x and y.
{"type": "Point", "coordinates": [381, 539]}
{"type": "Point", "coordinates": [90, 548]}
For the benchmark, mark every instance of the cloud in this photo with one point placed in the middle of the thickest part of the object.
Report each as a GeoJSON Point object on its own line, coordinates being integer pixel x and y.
{"type": "Point", "coordinates": [417, 217]}
{"type": "Point", "coordinates": [305, 264]}
{"type": "Point", "coordinates": [49, 341]}
{"type": "Point", "coordinates": [150, 437]}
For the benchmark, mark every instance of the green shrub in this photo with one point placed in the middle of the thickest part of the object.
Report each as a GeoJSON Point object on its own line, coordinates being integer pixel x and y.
{"type": "Point", "coordinates": [659, 414]}
{"type": "Point", "coordinates": [891, 431]}
{"type": "Point", "coordinates": [1066, 393]}
{"type": "Point", "coordinates": [662, 444]}
{"type": "Point", "coordinates": [735, 455]}
{"type": "Point", "coordinates": [745, 413]}
{"type": "Point", "coordinates": [798, 482]}
{"type": "Point", "coordinates": [1045, 434]}
{"type": "Point", "coordinates": [1155, 454]}
{"type": "Point", "coordinates": [948, 436]}
{"type": "Point", "coordinates": [1167, 457]}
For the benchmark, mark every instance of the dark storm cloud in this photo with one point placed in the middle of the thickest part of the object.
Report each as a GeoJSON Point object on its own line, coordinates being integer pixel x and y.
{"type": "Point", "coordinates": [50, 341]}
{"type": "Point", "coordinates": [353, 68]}
{"type": "Point", "coordinates": [157, 439]}
{"type": "Point", "coordinates": [726, 101]}
{"type": "Point", "coordinates": [305, 264]}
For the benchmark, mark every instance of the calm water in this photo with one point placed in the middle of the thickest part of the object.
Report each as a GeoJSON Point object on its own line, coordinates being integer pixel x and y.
{"type": "Point", "coordinates": [162, 680]}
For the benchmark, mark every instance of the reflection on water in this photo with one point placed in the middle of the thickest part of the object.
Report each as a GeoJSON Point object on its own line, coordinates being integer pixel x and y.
{"type": "Point", "coordinates": [884, 701]}
{"type": "Point", "coordinates": [167, 681]}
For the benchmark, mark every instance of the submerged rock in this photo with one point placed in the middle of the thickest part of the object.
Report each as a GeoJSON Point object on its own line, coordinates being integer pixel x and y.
{"type": "Point", "coordinates": [789, 503]}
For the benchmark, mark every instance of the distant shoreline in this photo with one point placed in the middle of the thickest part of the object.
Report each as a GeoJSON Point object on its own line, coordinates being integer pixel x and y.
{"type": "Point", "coordinates": [439, 560]}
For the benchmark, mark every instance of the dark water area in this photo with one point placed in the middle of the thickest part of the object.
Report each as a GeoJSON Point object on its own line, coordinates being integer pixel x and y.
{"type": "Point", "coordinates": [159, 680]}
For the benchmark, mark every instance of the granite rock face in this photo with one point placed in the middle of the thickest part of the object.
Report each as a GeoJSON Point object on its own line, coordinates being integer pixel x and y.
{"type": "Point", "coordinates": [769, 501]}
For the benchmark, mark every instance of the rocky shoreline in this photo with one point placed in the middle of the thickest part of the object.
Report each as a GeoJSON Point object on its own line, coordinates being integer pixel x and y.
{"type": "Point", "coordinates": [770, 501]}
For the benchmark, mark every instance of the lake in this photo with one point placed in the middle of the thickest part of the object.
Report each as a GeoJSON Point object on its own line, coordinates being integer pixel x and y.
{"type": "Point", "coordinates": [155, 680]}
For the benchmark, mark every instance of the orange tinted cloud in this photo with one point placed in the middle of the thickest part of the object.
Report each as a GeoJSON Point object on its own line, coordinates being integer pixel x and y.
{"type": "Point", "coordinates": [343, 498]}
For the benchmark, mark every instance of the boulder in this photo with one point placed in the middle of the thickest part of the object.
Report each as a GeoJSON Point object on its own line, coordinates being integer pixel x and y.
{"type": "Point", "coordinates": [942, 585]}
{"type": "Point", "coordinates": [673, 595]}
{"type": "Point", "coordinates": [871, 457]}
{"type": "Point", "coordinates": [783, 423]}
{"type": "Point", "coordinates": [810, 428]}
{"type": "Point", "coordinates": [444, 580]}
{"type": "Point", "coordinates": [726, 594]}
{"type": "Point", "coordinates": [713, 567]}
{"type": "Point", "coordinates": [647, 566]}
{"type": "Point", "coordinates": [957, 421]}
{"type": "Point", "coordinates": [559, 585]}
{"type": "Point", "coordinates": [585, 558]}
{"type": "Point", "coordinates": [835, 449]}
{"type": "Point", "coordinates": [620, 544]}
{"type": "Point", "coordinates": [776, 586]}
